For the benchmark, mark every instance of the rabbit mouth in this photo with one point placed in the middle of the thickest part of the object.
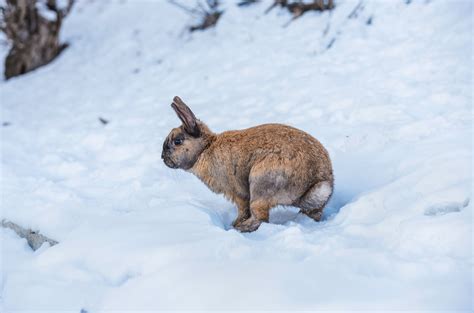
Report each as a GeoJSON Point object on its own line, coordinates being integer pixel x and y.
{"type": "Point", "coordinates": [170, 163]}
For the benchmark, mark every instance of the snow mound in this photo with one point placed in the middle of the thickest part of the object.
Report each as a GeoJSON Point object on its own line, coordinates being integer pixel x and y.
{"type": "Point", "coordinates": [390, 99]}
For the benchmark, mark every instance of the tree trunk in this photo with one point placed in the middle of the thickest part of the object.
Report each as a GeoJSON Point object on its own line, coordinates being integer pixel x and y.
{"type": "Point", "coordinates": [34, 38]}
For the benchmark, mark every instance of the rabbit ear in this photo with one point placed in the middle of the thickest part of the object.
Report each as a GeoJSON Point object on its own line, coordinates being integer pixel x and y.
{"type": "Point", "coordinates": [186, 116]}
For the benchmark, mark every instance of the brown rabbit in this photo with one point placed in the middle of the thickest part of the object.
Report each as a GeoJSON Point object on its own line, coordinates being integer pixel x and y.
{"type": "Point", "coordinates": [256, 168]}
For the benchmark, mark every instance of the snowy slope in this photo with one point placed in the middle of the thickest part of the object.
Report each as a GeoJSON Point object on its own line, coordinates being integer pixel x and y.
{"type": "Point", "coordinates": [390, 99]}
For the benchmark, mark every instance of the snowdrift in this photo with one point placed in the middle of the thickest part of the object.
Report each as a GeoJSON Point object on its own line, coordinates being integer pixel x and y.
{"type": "Point", "coordinates": [390, 99]}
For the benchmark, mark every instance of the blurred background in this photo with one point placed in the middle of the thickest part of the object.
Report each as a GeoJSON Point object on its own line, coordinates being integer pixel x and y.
{"type": "Point", "coordinates": [92, 220]}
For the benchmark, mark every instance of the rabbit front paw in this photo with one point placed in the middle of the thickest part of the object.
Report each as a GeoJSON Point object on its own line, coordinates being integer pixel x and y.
{"type": "Point", "coordinates": [248, 225]}
{"type": "Point", "coordinates": [240, 219]}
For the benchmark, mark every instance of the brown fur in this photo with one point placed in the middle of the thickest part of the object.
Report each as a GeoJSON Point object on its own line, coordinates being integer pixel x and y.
{"type": "Point", "coordinates": [256, 168]}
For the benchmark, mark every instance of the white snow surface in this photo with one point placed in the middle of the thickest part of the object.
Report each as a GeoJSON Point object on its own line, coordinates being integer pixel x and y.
{"type": "Point", "coordinates": [391, 100]}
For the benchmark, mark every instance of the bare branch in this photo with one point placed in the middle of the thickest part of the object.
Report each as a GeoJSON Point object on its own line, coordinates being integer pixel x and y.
{"type": "Point", "coordinates": [244, 3]}
{"type": "Point", "coordinates": [191, 11]}
{"type": "Point", "coordinates": [298, 8]}
{"type": "Point", "coordinates": [354, 11]}
{"type": "Point", "coordinates": [33, 237]}
{"type": "Point", "coordinates": [208, 12]}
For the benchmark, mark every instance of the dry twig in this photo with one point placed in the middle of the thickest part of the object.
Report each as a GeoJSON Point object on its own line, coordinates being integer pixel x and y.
{"type": "Point", "coordinates": [208, 13]}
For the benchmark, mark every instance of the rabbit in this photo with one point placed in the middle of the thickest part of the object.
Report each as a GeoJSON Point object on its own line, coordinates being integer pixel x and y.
{"type": "Point", "coordinates": [256, 168]}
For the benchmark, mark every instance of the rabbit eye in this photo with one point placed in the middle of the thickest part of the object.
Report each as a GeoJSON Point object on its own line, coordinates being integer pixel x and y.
{"type": "Point", "coordinates": [178, 141]}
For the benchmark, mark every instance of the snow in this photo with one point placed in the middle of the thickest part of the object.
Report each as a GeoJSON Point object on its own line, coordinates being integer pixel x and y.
{"type": "Point", "coordinates": [391, 100]}
{"type": "Point", "coordinates": [45, 12]}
